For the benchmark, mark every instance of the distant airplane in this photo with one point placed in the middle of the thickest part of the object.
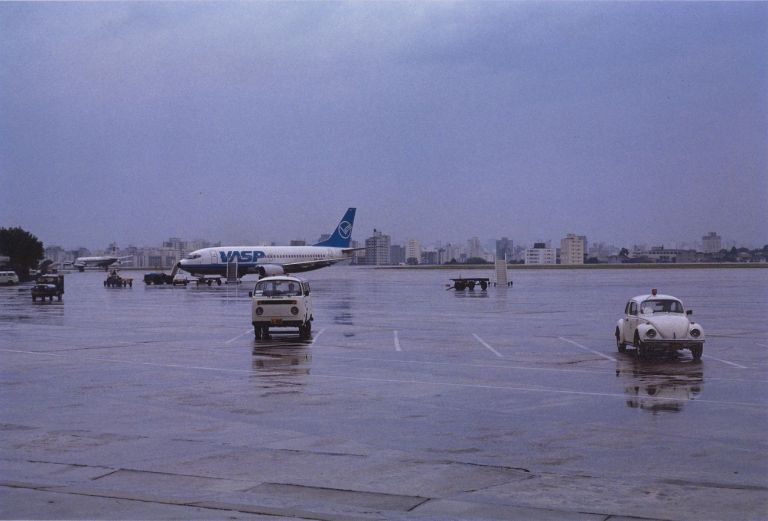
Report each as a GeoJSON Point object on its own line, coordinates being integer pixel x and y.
{"type": "Point", "coordinates": [104, 261]}
{"type": "Point", "coordinates": [273, 260]}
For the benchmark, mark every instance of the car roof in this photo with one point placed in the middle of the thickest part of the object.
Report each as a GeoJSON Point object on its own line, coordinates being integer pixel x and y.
{"type": "Point", "coordinates": [283, 277]}
{"type": "Point", "coordinates": [641, 298]}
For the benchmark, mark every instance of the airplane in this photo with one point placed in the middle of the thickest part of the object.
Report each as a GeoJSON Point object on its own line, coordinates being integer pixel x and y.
{"type": "Point", "coordinates": [104, 261]}
{"type": "Point", "coordinates": [266, 261]}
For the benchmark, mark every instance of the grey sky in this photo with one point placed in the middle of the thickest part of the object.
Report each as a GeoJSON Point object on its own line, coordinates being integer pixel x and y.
{"type": "Point", "coordinates": [625, 122]}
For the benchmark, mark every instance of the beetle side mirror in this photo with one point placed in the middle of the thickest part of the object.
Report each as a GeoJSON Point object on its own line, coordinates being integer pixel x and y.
{"type": "Point", "coordinates": [689, 312]}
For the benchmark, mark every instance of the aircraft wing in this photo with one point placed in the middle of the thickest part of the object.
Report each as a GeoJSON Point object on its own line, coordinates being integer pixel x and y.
{"type": "Point", "coordinates": [295, 267]}
{"type": "Point", "coordinates": [351, 250]}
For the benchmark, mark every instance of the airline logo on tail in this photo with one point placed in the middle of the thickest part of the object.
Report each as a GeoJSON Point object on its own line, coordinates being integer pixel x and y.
{"type": "Point", "coordinates": [345, 229]}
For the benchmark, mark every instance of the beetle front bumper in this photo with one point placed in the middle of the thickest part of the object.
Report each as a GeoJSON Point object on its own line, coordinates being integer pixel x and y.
{"type": "Point", "coordinates": [661, 343]}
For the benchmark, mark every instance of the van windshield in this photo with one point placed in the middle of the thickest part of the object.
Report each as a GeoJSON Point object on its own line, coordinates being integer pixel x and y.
{"type": "Point", "coordinates": [273, 288]}
{"type": "Point", "coordinates": [650, 307]}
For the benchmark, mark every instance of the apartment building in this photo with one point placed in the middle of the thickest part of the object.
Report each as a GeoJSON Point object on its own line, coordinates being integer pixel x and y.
{"type": "Point", "coordinates": [540, 254]}
{"type": "Point", "coordinates": [572, 249]}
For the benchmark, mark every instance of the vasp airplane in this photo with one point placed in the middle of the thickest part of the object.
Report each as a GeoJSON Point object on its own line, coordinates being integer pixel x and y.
{"type": "Point", "coordinates": [273, 260]}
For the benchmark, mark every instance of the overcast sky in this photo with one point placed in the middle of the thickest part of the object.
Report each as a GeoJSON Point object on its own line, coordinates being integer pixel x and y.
{"type": "Point", "coordinates": [242, 122]}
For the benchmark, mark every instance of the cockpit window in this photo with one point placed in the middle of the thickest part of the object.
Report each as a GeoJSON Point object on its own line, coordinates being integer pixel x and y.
{"type": "Point", "coordinates": [192, 256]}
{"type": "Point", "coordinates": [274, 288]}
{"type": "Point", "coordinates": [650, 307]}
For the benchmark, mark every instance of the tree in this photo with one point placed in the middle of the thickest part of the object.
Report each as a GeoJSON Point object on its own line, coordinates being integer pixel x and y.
{"type": "Point", "coordinates": [476, 260]}
{"type": "Point", "coordinates": [24, 249]}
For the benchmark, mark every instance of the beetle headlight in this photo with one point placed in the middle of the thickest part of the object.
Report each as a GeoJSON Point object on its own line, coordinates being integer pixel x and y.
{"type": "Point", "coordinates": [651, 333]}
{"type": "Point", "coordinates": [259, 311]}
{"type": "Point", "coordinates": [695, 333]}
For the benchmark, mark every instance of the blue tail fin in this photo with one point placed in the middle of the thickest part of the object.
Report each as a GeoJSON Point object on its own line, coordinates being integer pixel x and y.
{"type": "Point", "coordinates": [343, 233]}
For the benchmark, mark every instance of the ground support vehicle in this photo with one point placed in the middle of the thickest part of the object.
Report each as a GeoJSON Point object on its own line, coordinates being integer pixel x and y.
{"type": "Point", "coordinates": [179, 280]}
{"type": "Point", "coordinates": [208, 280]}
{"type": "Point", "coordinates": [8, 278]}
{"type": "Point", "coordinates": [116, 281]}
{"type": "Point", "coordinates": [461, 284]}
{"type": "Point", "coordinates": [658, 324]}
{"type": "Point", "coordinates": [157, 278]}
{"type": "Point", "coordinates": [281, 301]}
{"type": "Point", "coordinates": [48, 286]}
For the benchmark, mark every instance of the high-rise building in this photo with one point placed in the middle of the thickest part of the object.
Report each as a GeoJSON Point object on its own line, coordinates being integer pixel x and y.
{"type": "Point", "coordinates": [572, 249]}
{"type": "Point", "coordinates": [504, 249]}
{"type": "Point", "coordinates": [377, 249]}
{"type": "Point", "coordinates": [397, 254]}
{"type": "Point", "coordinates": [412, 252]}
{"type": "Point", "coordinates": [540, 254]}
{"type": "Point", "coordinates": [713, 243]}
{"type": "Point", "coordinates": [453, 253]}
{"type": "Point", "coordinates": [475, 250]}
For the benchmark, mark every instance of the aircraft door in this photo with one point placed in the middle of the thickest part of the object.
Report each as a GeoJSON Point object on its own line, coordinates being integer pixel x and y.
{"type": "Point", "coordinates": [214, 260]}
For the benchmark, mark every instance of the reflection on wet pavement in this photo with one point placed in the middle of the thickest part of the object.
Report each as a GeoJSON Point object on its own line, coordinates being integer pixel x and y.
{"type": "Point", "coordinates": [663, 384]}
{"type": "Point", "coordinates": [281, 357]}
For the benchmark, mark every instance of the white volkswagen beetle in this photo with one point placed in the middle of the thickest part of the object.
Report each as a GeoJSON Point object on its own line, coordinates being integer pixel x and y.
{"type": "Point", "coordinates": [658, 323]}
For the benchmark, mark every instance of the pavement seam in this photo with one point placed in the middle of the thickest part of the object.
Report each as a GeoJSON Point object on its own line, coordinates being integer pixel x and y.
{"type": "Point", "coordinates": [209, 505]}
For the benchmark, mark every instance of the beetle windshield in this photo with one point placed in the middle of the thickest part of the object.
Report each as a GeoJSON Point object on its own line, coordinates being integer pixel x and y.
{"type": "Point", "coordinates": [650, 307]}
{"type": "Point", "coordinates": [274, 288]}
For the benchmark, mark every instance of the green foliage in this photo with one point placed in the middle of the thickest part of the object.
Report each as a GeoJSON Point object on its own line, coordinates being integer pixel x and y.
{"type": "Point", "coordinates": [476, 260]}
{"type": "Point", "coordinates": [24, 249]}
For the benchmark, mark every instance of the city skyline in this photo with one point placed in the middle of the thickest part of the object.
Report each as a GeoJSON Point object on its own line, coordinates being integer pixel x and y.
{"type": "Point", "coordinates": [487, 244]}
{"type": "Point", "coordinates": [626, 122]}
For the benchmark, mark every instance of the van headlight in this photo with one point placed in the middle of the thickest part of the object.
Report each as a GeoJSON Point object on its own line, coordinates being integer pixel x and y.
{"type": "Point", "coordinates": [695, 333]}
{"type": "Point", "coordinates": [259, 311]}
{"type": "Point", "coordinates": [294, 310]}
{"type": "Point", "coordinates": [651, 333]}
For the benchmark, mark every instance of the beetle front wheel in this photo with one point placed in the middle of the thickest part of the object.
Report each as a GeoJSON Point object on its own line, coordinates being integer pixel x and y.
{"type": "Point", "coordinates": [621, 346]}
{"type": "Point", "coordinates": [696, 352]}
{"type": "Point", "coordinates": [640, 349]}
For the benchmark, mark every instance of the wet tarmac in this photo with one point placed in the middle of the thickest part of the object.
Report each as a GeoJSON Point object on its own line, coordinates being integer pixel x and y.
{"type": "Point", "coordinates": [409, 402]}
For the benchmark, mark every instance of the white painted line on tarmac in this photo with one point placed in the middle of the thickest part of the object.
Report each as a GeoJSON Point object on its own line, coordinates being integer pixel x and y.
{"type": "Point", "coordinates": [315, 337]}
{"type": "Point", "coordinates": [238, 336]}
{"type": "Point", "coordinates": [397, 342]}
{"type": "Point", "coordinates": [724, 361]}
{"type": "Point", "coordinates": [541, 390]}
{"type": "Point", "coordinates": [585, 348]}
{"type": "Point", "coordinates": [545, 390]}
{"type": "Point", "coordinates": [492, 350]}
